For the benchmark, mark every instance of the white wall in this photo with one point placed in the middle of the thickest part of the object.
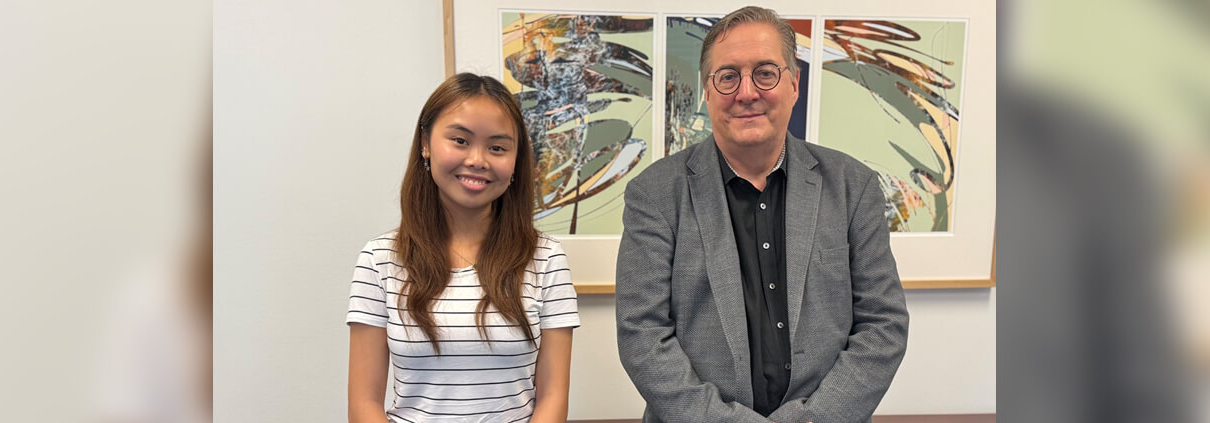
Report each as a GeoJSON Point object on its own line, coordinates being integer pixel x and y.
{"type": "Point", "coordinates": [104, 110]}
{"type": "Point", "coordinates": [314, 106]}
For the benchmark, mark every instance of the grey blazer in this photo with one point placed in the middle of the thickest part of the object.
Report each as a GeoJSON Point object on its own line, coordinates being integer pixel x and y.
{"type": "Point", "coordinates": [682, 333]}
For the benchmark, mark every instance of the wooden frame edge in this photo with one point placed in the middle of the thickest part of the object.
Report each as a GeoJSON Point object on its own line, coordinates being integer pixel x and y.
{"type": "Point", "coordinates": [594, 288]}
{"type": "Point", "coordinates": [600, 288]}
{"type": "Point", "coordinates": [924, 284]}
{"type": "Point", "coordinates": [447, 19]}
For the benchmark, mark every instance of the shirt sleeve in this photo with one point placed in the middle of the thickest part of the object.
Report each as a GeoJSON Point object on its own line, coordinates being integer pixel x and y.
{"type": "Point", "coordinates": [367, 297]}
{"type": "Point", "coordinates": [559, 308]}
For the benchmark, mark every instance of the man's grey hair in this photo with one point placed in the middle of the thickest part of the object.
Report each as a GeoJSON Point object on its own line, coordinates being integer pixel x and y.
{"type": "Point", "coordinates": [749, 14]}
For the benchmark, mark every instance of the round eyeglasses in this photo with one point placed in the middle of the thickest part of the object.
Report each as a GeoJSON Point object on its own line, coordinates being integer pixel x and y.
{"type": "Point", "coordinates": [766, 76]}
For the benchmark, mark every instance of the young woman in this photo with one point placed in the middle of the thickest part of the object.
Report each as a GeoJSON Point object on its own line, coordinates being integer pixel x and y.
{"type": "Point", "coordinates": [469, 304]}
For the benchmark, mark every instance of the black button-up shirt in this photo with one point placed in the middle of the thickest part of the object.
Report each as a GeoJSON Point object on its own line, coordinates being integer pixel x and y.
{"type": "Point", "coordinates": [758, 219]}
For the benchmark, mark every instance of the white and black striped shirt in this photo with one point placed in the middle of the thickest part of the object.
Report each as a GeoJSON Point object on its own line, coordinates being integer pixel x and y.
{"type": "Point", "coordinates": [471, 380]}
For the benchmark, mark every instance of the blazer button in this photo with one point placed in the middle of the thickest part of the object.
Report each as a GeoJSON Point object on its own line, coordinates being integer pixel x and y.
{"type": "Point", "coordinates": [780, 325]}
{"type": "Point", "coordinates": [772, 286]}
{"type": "Point", "coordinates": [766, 246]}
{"type": "Point", "coordinates": [787, 366]}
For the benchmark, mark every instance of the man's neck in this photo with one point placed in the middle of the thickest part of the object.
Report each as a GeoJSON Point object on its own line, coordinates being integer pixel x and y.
{"type": "Point", "coordinates": [753, 163]}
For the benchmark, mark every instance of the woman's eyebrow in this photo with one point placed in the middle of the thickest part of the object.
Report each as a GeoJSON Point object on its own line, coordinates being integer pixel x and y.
{"type": "Point", "coordinates": [459, 127]}
{"type": "Point", "coordinates": [500, 136]}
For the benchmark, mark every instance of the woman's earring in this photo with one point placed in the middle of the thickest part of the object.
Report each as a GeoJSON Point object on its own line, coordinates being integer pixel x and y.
{"type": "Point", "coordinates": [426, 165]}
{"type": "Point", "coordinates": [512, 179]}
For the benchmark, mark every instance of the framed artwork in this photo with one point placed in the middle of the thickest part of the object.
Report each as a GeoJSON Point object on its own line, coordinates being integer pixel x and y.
{"type": "Point", "coordinates": [584, 83]}
{"type": "Point", "coordinates": [607, 89]}
{"type": "Point", "coordinates": [891, 97]}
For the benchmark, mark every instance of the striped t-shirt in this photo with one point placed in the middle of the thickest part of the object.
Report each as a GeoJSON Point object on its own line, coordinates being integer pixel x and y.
{"type": "Point", "coordinates": [471, 380]}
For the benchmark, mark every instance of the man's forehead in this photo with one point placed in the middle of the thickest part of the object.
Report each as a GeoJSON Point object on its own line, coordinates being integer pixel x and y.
{"type": "Point", "coordinates": [745, 39]}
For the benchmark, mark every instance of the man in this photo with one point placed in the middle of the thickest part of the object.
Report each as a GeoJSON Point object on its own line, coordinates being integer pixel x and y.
{"type": "Point", "coordinates": [755, 276]}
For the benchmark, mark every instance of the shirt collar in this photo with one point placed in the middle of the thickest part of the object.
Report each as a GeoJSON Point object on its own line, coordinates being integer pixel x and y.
{"type": "Point", "coordinates": [729, 172]}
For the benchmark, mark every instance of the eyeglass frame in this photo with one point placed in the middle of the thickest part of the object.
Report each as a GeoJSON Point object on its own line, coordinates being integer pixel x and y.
{"type": "Point", "coordinates": [714, 83]}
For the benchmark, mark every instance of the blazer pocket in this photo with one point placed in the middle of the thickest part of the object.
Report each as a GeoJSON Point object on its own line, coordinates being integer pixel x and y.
{"type": "Point", "coordinates": [839, 255]}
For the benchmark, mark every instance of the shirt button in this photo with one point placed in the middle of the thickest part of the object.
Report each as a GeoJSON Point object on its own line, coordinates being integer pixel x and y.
{"type": "Point", "coordinates": [766, 245]}
{"type": "Point", "coordinates": [787, 366]}
{"type": "Point", "coordinates": [762, 206]}
{"type": "Point", "coordinates": [780, 325]}
{"type": "Point", "coordinates": [772, 286]}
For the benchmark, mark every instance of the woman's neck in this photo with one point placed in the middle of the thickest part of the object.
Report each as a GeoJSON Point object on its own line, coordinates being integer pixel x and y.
{"type": "Point", "coordinates": [466, 235]}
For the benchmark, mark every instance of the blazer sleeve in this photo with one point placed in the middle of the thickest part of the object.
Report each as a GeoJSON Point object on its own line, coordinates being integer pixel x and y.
{"type": "Point", "coordinates": [647, 342]}
{"type": "Point", "coordinates": [859, 378]}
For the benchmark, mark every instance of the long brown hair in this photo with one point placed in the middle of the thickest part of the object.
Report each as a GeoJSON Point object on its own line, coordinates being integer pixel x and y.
{"type": "Point", "coordinates": [423, 236]}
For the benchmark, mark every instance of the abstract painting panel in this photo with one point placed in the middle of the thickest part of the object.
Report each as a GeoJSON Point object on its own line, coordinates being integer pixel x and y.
{"type": "Point", "coordinates": [890, 96]}
{"type": "Point", "coordinates": [584, 83]}
{"type": "Point", "coordinates": [686, 121]}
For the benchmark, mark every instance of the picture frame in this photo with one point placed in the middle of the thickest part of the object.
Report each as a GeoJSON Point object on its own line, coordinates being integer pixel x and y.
{"type": "Point", "coordinates": [962, 257]}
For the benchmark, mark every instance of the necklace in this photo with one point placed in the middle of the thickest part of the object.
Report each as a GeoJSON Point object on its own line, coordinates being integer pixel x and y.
{"type": "Point", "coordinates": [463, 257]}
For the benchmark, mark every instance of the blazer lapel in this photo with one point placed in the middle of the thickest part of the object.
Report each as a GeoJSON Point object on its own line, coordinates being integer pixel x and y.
{"type": "Point", "coordinates": [722, 257]}
{"type": "Point", "coordinates": [802, 211]}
